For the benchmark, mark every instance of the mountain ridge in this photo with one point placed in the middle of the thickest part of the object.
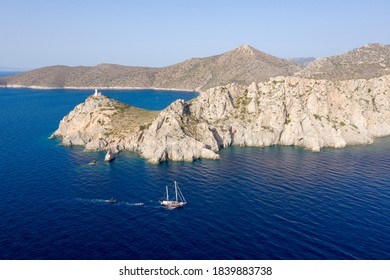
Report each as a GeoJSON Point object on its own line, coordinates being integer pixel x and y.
{"type": "Point", "coordinates": [244, 64]}
{"type": "Point", "coordinates": [369, 61]}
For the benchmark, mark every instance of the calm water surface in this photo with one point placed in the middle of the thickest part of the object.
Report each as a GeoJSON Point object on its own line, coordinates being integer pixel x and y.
{"type": "Point", "coordinates": [254, 203]}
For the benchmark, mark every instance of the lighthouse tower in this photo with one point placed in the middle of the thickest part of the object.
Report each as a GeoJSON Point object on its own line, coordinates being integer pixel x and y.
{"type": "Point", "coordinates": [97, 93]}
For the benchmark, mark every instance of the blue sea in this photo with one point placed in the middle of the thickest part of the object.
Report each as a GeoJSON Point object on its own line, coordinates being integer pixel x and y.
{"type": "Point", "coordinates": [9, 73]}
{"type": "Point", "coordinates": [254, 203]}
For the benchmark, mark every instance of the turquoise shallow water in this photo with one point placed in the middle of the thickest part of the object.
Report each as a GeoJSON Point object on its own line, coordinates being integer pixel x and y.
{"type": "Point", "coordinates": [254, 203]}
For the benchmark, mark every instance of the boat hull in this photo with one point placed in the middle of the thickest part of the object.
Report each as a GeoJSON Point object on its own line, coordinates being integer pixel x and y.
{"type": "Point", "coordinates": [172, 204]}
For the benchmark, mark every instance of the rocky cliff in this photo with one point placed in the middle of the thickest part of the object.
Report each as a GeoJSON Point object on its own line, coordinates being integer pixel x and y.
{"type": "Point", "coordinates": [102, 123]}
{"type": "Point", "coordinates": [296, 111]}
{"type": "Point", "coordinates": [282, 111]}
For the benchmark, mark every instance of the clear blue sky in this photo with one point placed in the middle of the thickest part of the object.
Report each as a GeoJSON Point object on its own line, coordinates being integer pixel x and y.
{"type": "Point", "coordinates": [159, 33]}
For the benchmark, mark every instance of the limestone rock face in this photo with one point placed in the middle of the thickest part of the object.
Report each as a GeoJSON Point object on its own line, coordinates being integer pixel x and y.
{"type": "Point", "coordinates": [102, 123]}
{"type": "Point", "coordinates": [88, 124]}
{"type": "Point", "coordinates": [109, 156]}
{"type": "Point", "coordinates": [297, 111]}
{"type": "Point", "coordinates": [282, 111]}
{"type": "Point", "coordinates": [168, 137]}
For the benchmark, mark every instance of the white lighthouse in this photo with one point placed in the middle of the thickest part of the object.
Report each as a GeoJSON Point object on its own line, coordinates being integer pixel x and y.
{"type": "Point", "coordinates": [97, 93]}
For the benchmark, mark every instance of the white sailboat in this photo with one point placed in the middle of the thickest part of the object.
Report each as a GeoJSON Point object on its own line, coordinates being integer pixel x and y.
{"type": "Point", "coordinates": [179, 201]}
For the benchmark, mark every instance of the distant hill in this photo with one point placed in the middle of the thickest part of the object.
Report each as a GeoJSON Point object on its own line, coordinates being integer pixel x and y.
{"type": "Point", "coordinates": [242, 65]}
{"type": "Point", "coordinates": [102, 75]}
{"type": "Point", "coordinates": [304, 61]}
{"type": "Point", "coordinates": [369, 61]}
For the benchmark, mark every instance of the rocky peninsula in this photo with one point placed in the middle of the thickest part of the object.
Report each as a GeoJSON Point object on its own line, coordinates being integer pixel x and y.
{"type": "Point", "coordinates": [290, 110]}
{"type": "Point", "coordinates": [259, 100]}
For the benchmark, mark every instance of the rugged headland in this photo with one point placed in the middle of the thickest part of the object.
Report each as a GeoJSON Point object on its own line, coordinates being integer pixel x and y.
{"type": "Point", "coordinates": [282, 111]}
{"type": "Point", "coordinates": [332, 102]}
{"type": "Point", "coordinates": [102, 123]}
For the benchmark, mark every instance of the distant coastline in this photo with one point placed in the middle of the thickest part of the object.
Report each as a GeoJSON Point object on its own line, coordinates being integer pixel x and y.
{"type": "Point", "coordinates": [5, 73]}
{"type": "Point", "coordinates": [100, 88]}
{"type": "Point", "coordinates": [242, 65]}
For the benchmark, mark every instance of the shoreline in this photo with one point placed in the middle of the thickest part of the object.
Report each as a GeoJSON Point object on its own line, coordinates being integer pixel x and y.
{"type": "Point", "coordinates": [99, 88]}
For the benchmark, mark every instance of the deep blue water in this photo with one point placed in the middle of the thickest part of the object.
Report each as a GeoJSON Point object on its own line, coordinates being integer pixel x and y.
{"type": "Point", "coordinates": [9, 73]}
{"type": "Point", "coordinates": [254, 203]}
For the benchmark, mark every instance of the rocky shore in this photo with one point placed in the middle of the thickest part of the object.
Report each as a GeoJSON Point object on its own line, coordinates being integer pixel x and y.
{"type": "Point", "coordinates": [281, 111]}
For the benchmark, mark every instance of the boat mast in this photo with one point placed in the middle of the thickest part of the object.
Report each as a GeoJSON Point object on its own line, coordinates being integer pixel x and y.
{"type": "Point", "coordinates": [176, 191]}
{"type": "Point", "coordinates": [167, 193]}
{"type": "Point", "coordinates": [181, 195]}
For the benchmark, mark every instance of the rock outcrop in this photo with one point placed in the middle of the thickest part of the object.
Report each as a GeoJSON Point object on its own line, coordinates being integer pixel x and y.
{"type": "Point", "coordinates": [101, 123]}
{"type": "Point", "coordinates": [282, 111]}
{"type": "Point", "coordinates": [169, 138]}
{"type": "Point", "coordinates": [295, 111]}
{"type": "Point", "coordinates": [109, 156]}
